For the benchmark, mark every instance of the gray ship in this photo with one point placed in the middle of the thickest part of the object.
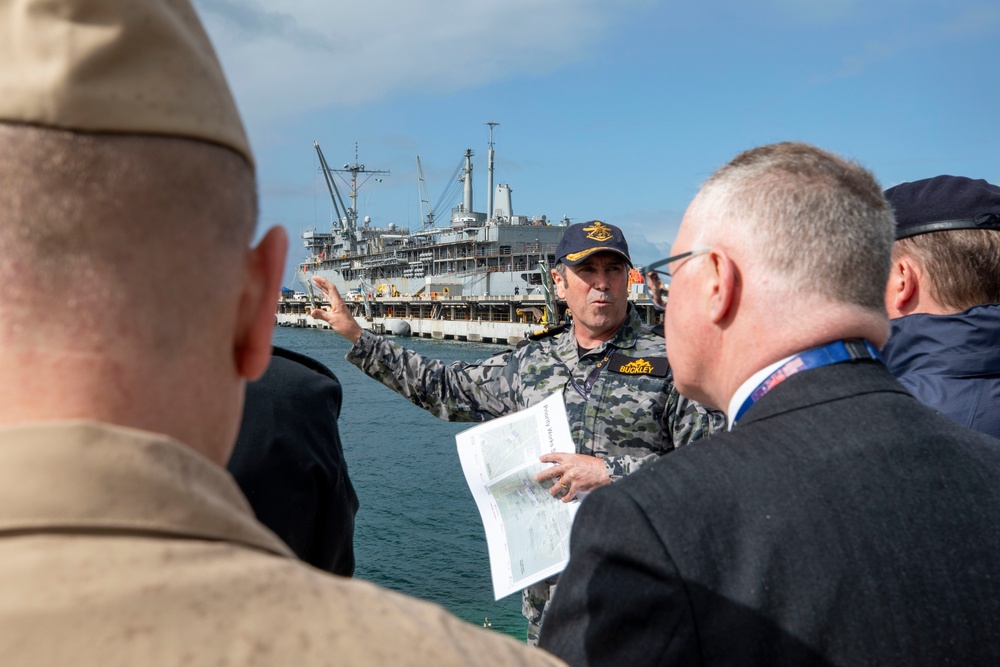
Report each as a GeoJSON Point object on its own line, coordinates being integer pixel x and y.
{"type": "Point", "coordinates": [482, 277]}
{"type": "Point", "coordinates": [494, 254]}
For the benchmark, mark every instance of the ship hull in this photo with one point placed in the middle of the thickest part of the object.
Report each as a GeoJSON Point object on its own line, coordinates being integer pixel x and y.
{"type": "Point", "coordinates": [499, 333]}
{"type": "Point", "coordinates": [488, 319]}
{"type": "Point", "coordinates": [492, 260]}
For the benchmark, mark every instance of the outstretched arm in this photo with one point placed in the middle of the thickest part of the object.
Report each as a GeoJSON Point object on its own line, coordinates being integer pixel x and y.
{"type": "Point", "coordinates": [456, 392]}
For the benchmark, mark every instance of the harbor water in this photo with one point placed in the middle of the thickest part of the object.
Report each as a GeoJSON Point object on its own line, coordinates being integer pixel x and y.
{"type": "Point", "coordinates": [418, 530]}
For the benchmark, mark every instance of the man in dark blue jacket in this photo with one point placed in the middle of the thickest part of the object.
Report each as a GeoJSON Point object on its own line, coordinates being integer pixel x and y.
{"type": "Point", "coordinates": [944, 297]}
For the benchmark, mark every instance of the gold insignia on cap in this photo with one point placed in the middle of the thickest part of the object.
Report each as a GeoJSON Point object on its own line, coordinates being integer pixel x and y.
{"type": "Point", "coordinates": [599, 232]}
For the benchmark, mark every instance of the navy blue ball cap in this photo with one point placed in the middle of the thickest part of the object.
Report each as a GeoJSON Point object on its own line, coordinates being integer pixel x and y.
{"type": "Point", "coordinates": [944, 203]}
{"type": "Point", "coordinates": [585, 238]}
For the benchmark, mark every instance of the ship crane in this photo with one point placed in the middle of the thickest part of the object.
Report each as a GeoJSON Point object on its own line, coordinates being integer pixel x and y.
{"type": "Point", "coordinates": [428, 218]}
{"type": "Point", "coordinates": [331, 186]}
{"type": "Point", "coordinates": [449, 194]}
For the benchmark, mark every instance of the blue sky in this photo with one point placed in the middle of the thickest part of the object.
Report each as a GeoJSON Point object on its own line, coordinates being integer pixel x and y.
{"type": "Point", "coordinates": [608, 109]}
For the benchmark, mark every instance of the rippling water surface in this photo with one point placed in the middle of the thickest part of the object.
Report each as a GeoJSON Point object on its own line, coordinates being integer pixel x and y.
{"type": "Point", "coordinates": [418, 530]}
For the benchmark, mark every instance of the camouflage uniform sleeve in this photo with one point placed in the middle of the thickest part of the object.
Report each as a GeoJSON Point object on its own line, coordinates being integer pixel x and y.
{"type": "Point", "coordinates": [454, 392]}
{"type": "Point", "coordinates": [688, 421]}
{"type": "Point", "coordinates": [619, 466]}
{"type": "Point", "coordinates": [685, 421]}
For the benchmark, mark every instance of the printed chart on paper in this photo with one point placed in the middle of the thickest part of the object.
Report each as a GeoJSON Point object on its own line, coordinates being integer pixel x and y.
{"type": "Point", "coordinates": [527, 530]}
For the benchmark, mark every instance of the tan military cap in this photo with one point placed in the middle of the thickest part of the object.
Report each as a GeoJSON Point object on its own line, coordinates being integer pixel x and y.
{"type": "Point", "coordinates": [120, 66]}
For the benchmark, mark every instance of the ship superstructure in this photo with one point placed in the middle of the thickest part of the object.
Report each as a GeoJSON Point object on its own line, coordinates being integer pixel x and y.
{"type": "Point", "coordinates": [476, 254]}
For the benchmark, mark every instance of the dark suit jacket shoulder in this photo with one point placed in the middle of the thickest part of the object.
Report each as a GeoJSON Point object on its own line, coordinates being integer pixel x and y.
{"type": "Point", "coordinates": [290, 464]}
{"type": "Point", "coordinates": [841, 522]}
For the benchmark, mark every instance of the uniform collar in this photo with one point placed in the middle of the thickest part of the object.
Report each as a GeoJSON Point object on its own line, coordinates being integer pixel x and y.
{"type": "Point", "coordinates": [80, 475]}
{"type": "Point", "coordinates": [625, 338]}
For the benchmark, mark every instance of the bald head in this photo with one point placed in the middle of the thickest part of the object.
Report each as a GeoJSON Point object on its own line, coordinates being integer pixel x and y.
{"type": "Point", "coordinates": [129, 292]}
{"type": "Point", "coordinates": [115, 227]}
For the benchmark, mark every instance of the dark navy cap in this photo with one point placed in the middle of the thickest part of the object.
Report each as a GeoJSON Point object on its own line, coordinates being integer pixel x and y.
{"type": "Point", "coordinates": [585, 238]}
{"type": "Point", "coordinates": [944, 203]}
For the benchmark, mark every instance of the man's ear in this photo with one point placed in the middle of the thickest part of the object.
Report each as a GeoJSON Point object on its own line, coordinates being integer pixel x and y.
{"type": "Point", "coordinates": [255, 323]}
{"type": "Point", "coordinates": [902, 293]}
{"type": "Point", "coordinates": [724, 285]}
{"type": "Point", "coordinates": [560, 285]}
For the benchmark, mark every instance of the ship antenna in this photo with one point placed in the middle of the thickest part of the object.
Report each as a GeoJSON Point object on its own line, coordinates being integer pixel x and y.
{"type": "Point", "coordinates": [354, 170]}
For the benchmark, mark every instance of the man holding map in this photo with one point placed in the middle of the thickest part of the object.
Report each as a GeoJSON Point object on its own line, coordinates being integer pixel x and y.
{"type": "Point", "coordinates": [611, 370]}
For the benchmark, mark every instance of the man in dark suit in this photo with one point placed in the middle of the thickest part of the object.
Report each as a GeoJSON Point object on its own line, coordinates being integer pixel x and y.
{"type": "Point", "coordinates": [289, 462]}
{"type": "Point", "coordinates": [840, 522]}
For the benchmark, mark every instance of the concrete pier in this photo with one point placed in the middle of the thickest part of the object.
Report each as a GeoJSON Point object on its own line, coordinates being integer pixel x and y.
{"type": "Point", "coordinates": [497, 320]}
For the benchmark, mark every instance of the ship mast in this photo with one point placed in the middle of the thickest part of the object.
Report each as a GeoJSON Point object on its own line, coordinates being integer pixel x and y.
{"type": "Point", "coordinates": [347, 215]}
{"type": "Point", "coordinates": [355, 169]}
{"type": "Point", "coordinates": [489, 175]}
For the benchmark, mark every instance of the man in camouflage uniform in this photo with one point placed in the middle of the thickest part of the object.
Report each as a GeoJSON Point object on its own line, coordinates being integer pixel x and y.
{"type": "Point", "coordinates": [620, 399]}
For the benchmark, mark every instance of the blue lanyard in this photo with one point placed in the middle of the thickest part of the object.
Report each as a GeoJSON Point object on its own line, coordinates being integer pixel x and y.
{"type": "Point", "coordinates": [834, 353]}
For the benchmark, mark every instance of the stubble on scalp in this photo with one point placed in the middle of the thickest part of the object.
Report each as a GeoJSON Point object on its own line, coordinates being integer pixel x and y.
{"type": "Point", "coordinates": [113, 227]}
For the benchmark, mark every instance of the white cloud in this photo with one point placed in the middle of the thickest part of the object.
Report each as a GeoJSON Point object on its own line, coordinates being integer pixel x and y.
{"type": "Point", "coordinates": [315, 53]}
{"type": "Point", "coordinates": [971, 22]}
{"type": "Point", "coordinates": [247, 22]}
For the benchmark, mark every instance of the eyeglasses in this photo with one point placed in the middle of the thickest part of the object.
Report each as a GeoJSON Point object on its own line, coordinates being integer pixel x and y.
{"type": "Point", "coordinates": [653, 272]}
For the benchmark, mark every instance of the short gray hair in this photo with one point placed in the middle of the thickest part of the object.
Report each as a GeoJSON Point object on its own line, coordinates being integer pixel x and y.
{"type": "Point", "coordinates": [810, 217]}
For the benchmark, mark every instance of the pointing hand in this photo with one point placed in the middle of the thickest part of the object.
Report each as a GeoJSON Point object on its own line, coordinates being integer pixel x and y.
{"type": "Point", "coordinates": [339, 315]}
